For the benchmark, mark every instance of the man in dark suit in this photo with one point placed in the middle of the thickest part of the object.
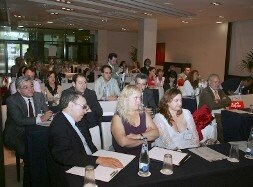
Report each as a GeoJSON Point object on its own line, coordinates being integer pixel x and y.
{"type": "Point", "coordinates": [148, 100]}
{"type": "Point", "coordinates": [145, 68]}
{"type": "Point", "coordinates": [213, 96]}
{"type": "Point", "coordinates": [237, 85]}
{"type": "Point", "coordinates": [23, 108]}
{"type": "Point", "coordinates": [70, 142]}
{"type": "Point", "coordinates": [80, 86]}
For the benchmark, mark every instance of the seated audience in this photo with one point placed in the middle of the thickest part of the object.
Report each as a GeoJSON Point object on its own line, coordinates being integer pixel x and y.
{"type": "Point", "coordinates": [30, 73]}
{"type": "Point", "coordinates": [160, 82]}
{"type": "Point", "coordinates": [237, 86]}
{"type": "Point", "coordinates": [151, 81]}
{"type": "Point", "coordinates": [52, 89]}
{"type": "Point", "coordinates": [106, 87]}
{"type": "Point", "coordinates": [182, 76]}
{"type": "Point", "coordinates": [23, 108]}
{"type": "Point", "coordinates": [212, 95]}
{"type": "Point", "coordinates": [79, 85]}
{"type": "Point", "coordinates": [69, 140]}
{"type": "Point", "coordinates": [176, 125]}
{"type": "Point", "coordinates": [147, 101]}
{"type": "Point", "coordinates": [112, 62]}
{"type": "Point", "coordinates": [145, 68]}
{"type": "Point", "coordinates": [171, 70]}
{"type": "Point", "coordinates": [190, 87]}
{"type": "Point", "coordinates": [129, 124]}
{"type": "Point", "coordinates": [122, 67]}
{"type": "Point", "coordinates": [15, 68]}
{"type": "Point", "coordinates": [170, 81]}
{"type": "Point", "coordinates": [136, 67]}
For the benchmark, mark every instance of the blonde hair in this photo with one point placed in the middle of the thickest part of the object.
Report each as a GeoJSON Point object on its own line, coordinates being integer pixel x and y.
{"type": "Point", "coordinates": [122, 108]}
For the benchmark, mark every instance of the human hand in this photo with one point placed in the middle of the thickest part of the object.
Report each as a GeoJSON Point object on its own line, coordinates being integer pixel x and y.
{"type": "Point", "coordinates": [109, 162]}
{"type": "Point", "coordinates": [46, 116]}
{"type": "Point", "coordinates": [149, 111]}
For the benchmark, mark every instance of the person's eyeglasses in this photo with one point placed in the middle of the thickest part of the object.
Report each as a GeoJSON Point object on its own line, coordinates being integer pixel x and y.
{"type": "Point", "coordinates": [27, 87]}
{"type": "Point", "coordinates": [85, 107]}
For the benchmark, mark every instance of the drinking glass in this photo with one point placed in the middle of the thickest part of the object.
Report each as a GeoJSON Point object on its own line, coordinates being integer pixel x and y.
{"type": "Point", "coordinates": [167, 165]}
{"type": "Point", "coordinates": [89, 178]}
{"type": "Point", "coordinates": [251, 109]}
{"type": "Point", "coordinates": [234, 153]}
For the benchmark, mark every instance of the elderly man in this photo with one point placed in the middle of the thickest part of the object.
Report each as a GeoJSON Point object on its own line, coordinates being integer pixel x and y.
{"type": "Point", "coordinates": [30, 73]}
{"type": "Point", "coordinates": [148, 100]}
{"type": "Point", "coordinates": [79, 85]}
{"type": "Point", "coordinates": [212, 95]}
{"type": "Point", "coordinates": [22, 110]}
{"type": "Point", "coordinates": [70, 142]}
{"type": "Point", "coordinates": [107, 87]}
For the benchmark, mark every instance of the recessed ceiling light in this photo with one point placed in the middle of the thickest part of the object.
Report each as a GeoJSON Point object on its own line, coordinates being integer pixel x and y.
{"type": "Point", "coordinates": [168, 3]}
{"type": "Point", "coordinates": [68, 9]}
{"type": "Point", "coordinates": [221, 17]}
{"type": "Point", "coordinates": [219, 22]}
{"type": "Point", "coordinates": [80, 29]}
{"type": "Point", "coordinates": [20, 26]}
{"type": "Point", "coordinates": [38, 24]}
{"type": "Point", "coordinates": [216, 3]}
{"type": "Point", "coordinates": [63, 8]}
{"type": "Point", "coordinates": [123, 29]}
{"type": "Point", "coordinates": [104, 20]}
{"type": "Point", "coordinates": [185, 21]}
{"type": "Point", "coordinates": [68, 2]}
{"type": "Point", "coordinates": [148, 14]}
{"type": "Point", "coordinates": [50, 22]}
{"type": "Point", "coordinates": [19, 16]}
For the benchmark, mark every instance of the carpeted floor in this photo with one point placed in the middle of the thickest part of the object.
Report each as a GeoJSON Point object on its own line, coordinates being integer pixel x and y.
{"type": "Point", "coordinates": [11, 176]}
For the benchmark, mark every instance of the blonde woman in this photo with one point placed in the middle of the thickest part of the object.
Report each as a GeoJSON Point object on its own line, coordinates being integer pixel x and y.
{"type": "Point", "coordinates": [130, 125]}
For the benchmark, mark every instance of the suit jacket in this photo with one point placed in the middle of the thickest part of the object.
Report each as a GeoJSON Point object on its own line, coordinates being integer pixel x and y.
{"type": "Point", "coordinates": [66, 148]}
{"type": "Point", "coordinates": [91, 98]}
{"type": "Point", "coordinates": [17, 118]}
{"type": "Point", "coordinates": [232, 85]}
{"type": "Point", "coordinates": [148, 99]}
{"type": "Point", "coordinates": [207, 97]}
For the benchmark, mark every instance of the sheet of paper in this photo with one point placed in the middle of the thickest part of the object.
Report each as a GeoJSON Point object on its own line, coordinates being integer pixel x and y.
{"type": "Point", "coordinates": [104, 173]}
{"type": "Point", "coordinates": [208, 154]}
{"type": "Point", "coordinates": [158, 153]}
{"type": "Point", "coordinates": [241, 144]}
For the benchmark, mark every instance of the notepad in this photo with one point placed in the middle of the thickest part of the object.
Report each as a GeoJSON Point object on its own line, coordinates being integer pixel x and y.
{"type": "Point", "coordinates": [103, 173]}
{"type": "Point", "coordinates": [208, 154]}
{"type": "Point", "coordinates": [158, 153]}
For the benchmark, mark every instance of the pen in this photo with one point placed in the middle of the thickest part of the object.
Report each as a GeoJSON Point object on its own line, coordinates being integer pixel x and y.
{"type": "Point", "coordinates": [184, 159]}
{"type": "Point", "coordinates": [114, 173]}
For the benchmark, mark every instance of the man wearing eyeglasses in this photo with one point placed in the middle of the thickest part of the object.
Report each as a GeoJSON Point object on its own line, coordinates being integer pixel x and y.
{"type": "Point", "coordinates": [23, 108]}
{"type": "Point", "coordinates": [70, 142]}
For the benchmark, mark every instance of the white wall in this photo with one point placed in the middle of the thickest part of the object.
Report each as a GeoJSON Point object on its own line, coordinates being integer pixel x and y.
{"type": "Point", "coordinates": [120, 43]}
{"type": "Point", "coordinates": [203, 46]}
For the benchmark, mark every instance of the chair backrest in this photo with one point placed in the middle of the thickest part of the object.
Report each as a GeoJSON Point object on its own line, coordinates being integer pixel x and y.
{"type": "Point", "coordinates": [106, 135]}
{"type": "Point", "coordinates": [95, 135]}
{"type": "Point", "coordinates": [4, 115]}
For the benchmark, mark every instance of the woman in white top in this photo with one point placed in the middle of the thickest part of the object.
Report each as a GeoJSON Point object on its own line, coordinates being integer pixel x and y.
{"type": "Point", "coordinates": [190, 87]}
{"type": "Point", "coordinates": [176, 125]}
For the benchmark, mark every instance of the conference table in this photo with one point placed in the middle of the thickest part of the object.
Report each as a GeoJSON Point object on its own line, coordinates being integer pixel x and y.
{"type": "Point", "coordinates": [194, 172]}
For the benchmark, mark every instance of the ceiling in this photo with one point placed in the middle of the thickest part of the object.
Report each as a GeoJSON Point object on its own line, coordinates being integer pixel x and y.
{"type": "Point", "coordinates": [121, 15]}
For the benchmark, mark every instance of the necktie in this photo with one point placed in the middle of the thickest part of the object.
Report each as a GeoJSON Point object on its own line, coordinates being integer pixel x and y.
{"type": "Point", "coordinates": [30, 108]}
{"type": "Point", "coordinates": [216, 95]}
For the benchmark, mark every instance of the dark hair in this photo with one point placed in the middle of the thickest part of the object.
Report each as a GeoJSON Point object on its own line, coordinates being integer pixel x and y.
{"type": "Point", "coordinates": [247, 78]}
{"type": "Point", "coordinates": [32, 69]}
{"type": "Point", "coordinates": [146, 60]}
{"type": "Point", "coordinates": [50, 89]}
{"type": "Point", "coordinates": [159, 70]}
{"type": "Point", "coordinates": [122, 63]}
{"type": "Point", "coordinates": [190, 77]}
{"type": "Point", "coordinates": [74, 78]}
{"type": "Point", "coordinates": [150, 69]}
{"type": "Point", "coordinates": [21, 71]}
{"type": "Point", "coordinates": [141, 76]}
{"type": "Point", "coordinates": [105, 66]}
{"type": "Point", "coordinates": [163, 105]}
{"type": "Point", "coordinates": [111, 55]}
{"type": "Point", "coordinates": [68, 97]}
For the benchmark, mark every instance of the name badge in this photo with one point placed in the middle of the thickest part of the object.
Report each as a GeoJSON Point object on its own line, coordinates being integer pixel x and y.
{"type": "Point", "coordinates": [188, 136]}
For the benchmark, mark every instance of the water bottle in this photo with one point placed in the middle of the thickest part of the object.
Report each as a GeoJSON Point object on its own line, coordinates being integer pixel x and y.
{"type": "Point", "coordinates": [105, 93]}
{"type": "Point", "coordinates": [249, 149]}
{"type": "Point", "coordinates": [144, 160]}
